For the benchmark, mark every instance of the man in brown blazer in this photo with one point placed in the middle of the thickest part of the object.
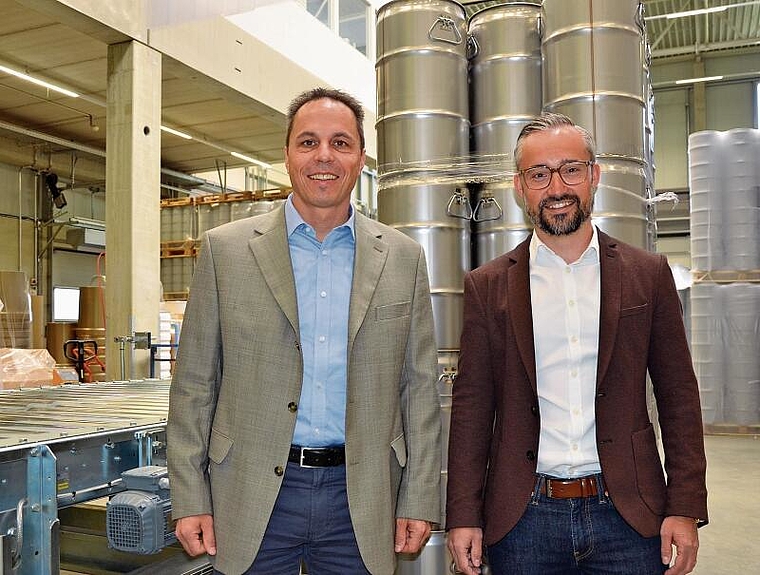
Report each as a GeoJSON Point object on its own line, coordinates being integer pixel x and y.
{"type": "Point", "coordinates": [304, 421]}
{"type": "Point", "coordinates": [553, 460]}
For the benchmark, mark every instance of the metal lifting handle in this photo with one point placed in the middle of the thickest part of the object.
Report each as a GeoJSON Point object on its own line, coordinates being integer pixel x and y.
{"type": "Point", "coordinates": [459, 206]}
{"type": "Point", "coordinates": [473, 47]}
{"type": "Point", "coordinates": [487, 204]}
{"type": "Point", "coordinates": [447, 25]}
{"type": "Point", "coordinates": [19, 534]}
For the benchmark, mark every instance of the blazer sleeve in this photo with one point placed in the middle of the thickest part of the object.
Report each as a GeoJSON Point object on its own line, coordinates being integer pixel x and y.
{"type": "Point", "coordinates": [677, 393]}
{"type": "Point", "coordinates": [193, 393]}
{"type": "Point", "coordinates": [420, 492]}
{"type": "Point", "coordinates": [472, 417]}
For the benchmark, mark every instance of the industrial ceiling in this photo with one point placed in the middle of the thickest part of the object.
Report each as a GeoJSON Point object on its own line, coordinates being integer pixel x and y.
{"type": "Point", "coordinates": [40, 128]}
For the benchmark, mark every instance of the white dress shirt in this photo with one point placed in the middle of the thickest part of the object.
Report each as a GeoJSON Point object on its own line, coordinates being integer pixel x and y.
{"type": "Point", "coordinates": [565, 303]}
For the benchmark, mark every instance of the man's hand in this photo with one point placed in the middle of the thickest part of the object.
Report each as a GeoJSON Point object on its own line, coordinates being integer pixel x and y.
{"type": "Point", "coordinates": [411, 535]}
{"type": "Point", "coordinates": [196, 533]}
{"type": "Point", "coordinates": [681, 532]}
{"type": "Point", "coordinates": [466, 547]}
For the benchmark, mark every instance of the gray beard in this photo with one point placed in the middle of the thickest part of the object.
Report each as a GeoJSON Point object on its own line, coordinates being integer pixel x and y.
{"type": "Point", "coordinates": [561, 224]}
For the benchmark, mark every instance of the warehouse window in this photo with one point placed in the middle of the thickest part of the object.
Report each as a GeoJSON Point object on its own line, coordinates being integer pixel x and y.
{"type": "Point", "coordinates": [349, 19]}
{"type": "Point", "coordinates": [65, 303]}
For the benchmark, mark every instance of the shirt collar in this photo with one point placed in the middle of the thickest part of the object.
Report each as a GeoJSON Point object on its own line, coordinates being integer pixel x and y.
{"type": "Point", "coordinates": [293, 219]}
{"type": "Point", "coordinates": [538, 249]}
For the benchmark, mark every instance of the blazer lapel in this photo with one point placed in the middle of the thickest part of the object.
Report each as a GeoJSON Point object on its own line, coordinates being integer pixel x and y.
{"type": "Point", "coordinates": [270, 248]}
{"type": "Point", "coordinates": [609, 313]}
{"type": "Point", "coordinates": [371, 253]}
{"type": "Point", "coordinates": [518, 284]}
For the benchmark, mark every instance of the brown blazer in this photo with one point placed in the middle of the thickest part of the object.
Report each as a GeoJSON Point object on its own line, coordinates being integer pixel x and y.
{"type": "Point", "coordinates": [495, 416]}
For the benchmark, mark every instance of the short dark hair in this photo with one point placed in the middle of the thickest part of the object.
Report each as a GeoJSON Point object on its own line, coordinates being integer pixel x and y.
{"type": "Point", "coordinates": [331, 94]}
{"type": "Point", "coordinates": [547, 121]}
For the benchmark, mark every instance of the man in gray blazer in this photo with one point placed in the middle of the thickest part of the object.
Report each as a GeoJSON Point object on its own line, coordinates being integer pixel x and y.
{"type": "Point", "coordinates": [553, 462]}
{"type": "Point", "coordinates": [304, 421]}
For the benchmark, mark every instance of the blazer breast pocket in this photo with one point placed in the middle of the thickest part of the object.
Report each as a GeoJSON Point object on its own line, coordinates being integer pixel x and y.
{"type": "Point", "coordinates": [634, 310]}
{"type": "Point", "coordinates": [392, 311]}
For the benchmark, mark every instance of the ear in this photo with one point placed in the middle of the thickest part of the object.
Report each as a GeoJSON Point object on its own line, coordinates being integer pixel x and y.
{"type": "Point", "coordinates": [596, 174]}
{"type": "Point", "coordinates": [517, 181]}
{"type": "Point", "coordinates": [285, 151]}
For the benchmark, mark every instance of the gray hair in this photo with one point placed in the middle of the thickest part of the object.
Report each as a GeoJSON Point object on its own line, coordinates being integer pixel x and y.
{"type": "Point", "coordinates": [547, 121]}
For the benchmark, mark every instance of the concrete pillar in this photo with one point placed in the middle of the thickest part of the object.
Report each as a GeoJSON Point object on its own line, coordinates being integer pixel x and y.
{"type": "Point", "coordinates": [699, 121]}
{"type": "Point", "coordinates": [133, 178]}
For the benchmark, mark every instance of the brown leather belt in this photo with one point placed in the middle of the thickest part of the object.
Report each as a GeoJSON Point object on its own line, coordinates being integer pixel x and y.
{"type": "Point", "coordinates": [317, 456]}
{"type": "Point", "coordinates": [569, 488]}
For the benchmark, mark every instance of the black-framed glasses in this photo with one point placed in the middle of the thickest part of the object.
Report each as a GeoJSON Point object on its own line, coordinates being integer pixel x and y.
{"type": "Point", "coordinates": [572, 173]}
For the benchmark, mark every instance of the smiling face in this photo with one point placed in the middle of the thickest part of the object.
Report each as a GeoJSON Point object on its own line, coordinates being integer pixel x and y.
{"type": "Point", "coordinates": [324, 158]}
{"type": "Point", "coordinates": [559, 209]}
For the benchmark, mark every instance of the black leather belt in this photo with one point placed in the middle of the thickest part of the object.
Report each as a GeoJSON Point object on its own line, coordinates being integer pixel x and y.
{"type": "Point", "coordinates": [570, 488]}
{"type": "Point", "coordinates": [317, 456]}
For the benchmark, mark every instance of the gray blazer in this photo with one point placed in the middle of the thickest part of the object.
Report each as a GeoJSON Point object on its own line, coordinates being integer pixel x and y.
{"type": "Point", "coordinates": [237, 383]}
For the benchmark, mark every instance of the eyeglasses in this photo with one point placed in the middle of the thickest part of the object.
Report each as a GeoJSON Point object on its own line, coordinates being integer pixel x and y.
{"type": "Point", "coordinates": [572, 173]}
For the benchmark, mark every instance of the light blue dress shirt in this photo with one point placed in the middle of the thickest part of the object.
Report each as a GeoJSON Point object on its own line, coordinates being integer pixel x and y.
{"type": "Point", "coordinates": [323, 273]}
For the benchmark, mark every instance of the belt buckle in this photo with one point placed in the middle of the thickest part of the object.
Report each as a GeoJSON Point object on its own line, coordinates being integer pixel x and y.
{"type": "Point", "coordinates": [548, 483]}
{"type": "Point", "coordinates": [301, 459]}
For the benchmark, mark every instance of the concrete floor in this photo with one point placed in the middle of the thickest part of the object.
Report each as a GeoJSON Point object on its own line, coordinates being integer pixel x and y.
{"type": "Point", "coordinates": [729, 544]}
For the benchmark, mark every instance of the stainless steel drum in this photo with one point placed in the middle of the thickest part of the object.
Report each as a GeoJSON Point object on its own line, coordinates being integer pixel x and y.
{"type": "Point", "coordinates": [421, 68]}
{"type": "Point", "coordinates": [594, 70]}
{"type": "Point", "coordinates": [620, 207]}
{"type": "Point", "coordinates": [499, 222]}
{"type": "Point", "coordinates": [505, 91]}
{"type": "Point", "coordinates": [505, 74]}
{"type": "Point", "coordinates": [438, 217]}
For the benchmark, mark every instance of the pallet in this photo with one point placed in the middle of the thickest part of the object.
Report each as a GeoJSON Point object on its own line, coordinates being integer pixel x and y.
{"type": "Point", "coordinates": [177, 202]}
{"type": "Point", "coordinates": [179, 248]}
{"type": "Point", "coordinates": [176, 295]}
{"type": "Point", "coordinates": [731, 429]}
{"type": "Point", "coordinates": [726, 276]}
{"type": "Point", "coordinates": [272, 194]}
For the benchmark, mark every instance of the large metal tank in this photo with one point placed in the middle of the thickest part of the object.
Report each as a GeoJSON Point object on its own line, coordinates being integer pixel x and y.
{"type": "Point", "coordinates": [505, 94]}
{"type": "Point", "coordinates": [423, 136]}
{"type": "Point", "coordinates": [595, 71]}
{"type": "Point", "coordinates": [421, 69]}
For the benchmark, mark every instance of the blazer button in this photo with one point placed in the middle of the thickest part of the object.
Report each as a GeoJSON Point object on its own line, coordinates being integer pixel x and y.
{"type": "Point", "coordinates": [298, 345]}
{"type": "Point", "coordinates": [530, 455]}
{"type": "Point", "coordinates": [534, 410]}
{"type": "Point", "coordinates": [292, 407]}
{"type": "Point", "coordinates": [278, 471]}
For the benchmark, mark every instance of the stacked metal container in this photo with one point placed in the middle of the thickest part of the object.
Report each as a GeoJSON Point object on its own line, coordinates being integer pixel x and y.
{"type": "Point", "coordinates": [505, 94]}
{"type": "Point", "coordinates": [595, 70]}
{"type": "Point", "coordinates": [423, 129]}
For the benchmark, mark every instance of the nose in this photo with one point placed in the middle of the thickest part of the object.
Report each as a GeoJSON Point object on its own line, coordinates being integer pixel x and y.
{"type": "Point", "coordinates": [556, 184]}
{"type": "Point", "coordinates": [324, 152]}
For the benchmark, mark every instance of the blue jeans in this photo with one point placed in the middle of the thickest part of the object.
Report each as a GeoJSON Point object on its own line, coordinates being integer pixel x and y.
{"type": "Point", "coordinates": [310, 522]}
{"type": "Point", "coordinates": [574, 536]}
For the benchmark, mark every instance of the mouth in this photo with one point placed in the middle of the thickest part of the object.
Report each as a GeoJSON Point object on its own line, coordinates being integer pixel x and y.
{"type": "Point", "coordinates": [322, 177]}
{"type": "Point", "coordinates": [557, 204]}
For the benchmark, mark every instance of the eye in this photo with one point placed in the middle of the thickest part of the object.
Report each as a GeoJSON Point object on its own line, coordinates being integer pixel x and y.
{"type": "Point", "coordinates": [341, 144]}
{"type": "Point", "coordinates": [571, 169]}
{"type": "Point", "coordinates": [537, 175]}
{"type": "Point", "coordinates": [308, 143]}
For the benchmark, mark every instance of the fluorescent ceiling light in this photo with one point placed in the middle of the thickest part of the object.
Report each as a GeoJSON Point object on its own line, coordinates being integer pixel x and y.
{"type": "Point", "coordinates": [251, 160]}
{"type": "Point", "coordinates": [177, 133]}
{"type": "Point", "coordinates": [695, 80]}
{"type": "Point", "coordinates": [697, 12]}
{"type": "Point", "coordinates": [37, 81]}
